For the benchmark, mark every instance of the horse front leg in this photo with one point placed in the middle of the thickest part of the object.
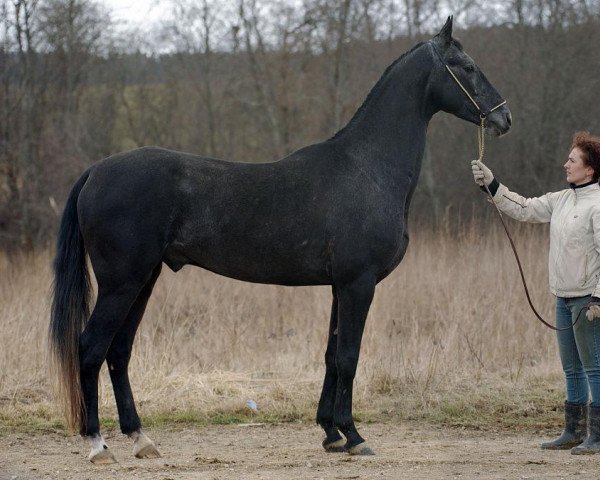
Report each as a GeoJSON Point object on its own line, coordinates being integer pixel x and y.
{"type": "Point", "coordinates": [354, 300]}
{"type": "Point", "coordinates": [333, 441]}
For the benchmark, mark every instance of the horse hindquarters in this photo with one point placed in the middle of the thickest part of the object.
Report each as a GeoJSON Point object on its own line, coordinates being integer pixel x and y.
{"type": "Point", "coordinates": [124, 238]}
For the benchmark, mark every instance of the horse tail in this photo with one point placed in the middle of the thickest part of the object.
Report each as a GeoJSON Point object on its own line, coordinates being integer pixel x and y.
{"type": "Point", "coordinates": [70, 308]}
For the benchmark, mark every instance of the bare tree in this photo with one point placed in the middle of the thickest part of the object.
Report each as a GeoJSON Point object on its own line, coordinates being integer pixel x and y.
{"type": "Point", "coordinates": [28, 115]}
{"type": "Point", "coordinates": [72, 31]}
{"type": "Point", "coordinates": [253, 80]}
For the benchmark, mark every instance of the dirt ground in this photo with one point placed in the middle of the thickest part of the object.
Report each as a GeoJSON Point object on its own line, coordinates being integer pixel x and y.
{"type": "Point", "coordinates": [257, 451]}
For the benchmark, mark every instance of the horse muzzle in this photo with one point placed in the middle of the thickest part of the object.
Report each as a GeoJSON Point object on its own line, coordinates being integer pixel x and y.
{"type": "Point", "coordinates": [498, 122]}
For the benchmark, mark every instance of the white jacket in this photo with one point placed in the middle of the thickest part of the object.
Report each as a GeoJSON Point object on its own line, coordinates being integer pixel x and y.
{"type": "Point", "coordinates": [574, 216]}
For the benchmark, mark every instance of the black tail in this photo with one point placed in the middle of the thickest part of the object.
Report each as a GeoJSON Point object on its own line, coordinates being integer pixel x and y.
{"type": "Point", "coordinates": [70, 307]}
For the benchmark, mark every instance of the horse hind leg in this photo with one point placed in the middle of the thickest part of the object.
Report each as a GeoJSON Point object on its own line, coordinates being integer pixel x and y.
{"type": "Point", "coordinates": [333, 441]}
{"type": "Point", "coordinates": [111, 310]}
{"type": "Point", "coordinates": [117, 358]}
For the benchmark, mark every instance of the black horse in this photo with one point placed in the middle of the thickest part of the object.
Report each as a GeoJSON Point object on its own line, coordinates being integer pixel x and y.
{"type": "Point", "coordinates": [333, 213]}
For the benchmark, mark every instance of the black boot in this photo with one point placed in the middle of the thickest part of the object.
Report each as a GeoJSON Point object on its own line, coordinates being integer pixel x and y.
{"type": "Point", "coordinates": [575, 428]}
{"type": "Point", "coordinates": [591, 444]}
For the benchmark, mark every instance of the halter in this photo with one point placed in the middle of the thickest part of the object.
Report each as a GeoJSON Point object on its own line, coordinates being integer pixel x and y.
{"type": "Point", "coordinates": [482, 114]}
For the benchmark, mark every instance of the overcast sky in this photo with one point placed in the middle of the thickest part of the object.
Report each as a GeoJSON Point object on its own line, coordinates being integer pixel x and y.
{"type": "Point", "coordinates": [137, 13]}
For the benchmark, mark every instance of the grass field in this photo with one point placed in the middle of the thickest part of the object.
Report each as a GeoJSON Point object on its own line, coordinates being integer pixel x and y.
{"type": "Point", "coordinates": [449, 340]}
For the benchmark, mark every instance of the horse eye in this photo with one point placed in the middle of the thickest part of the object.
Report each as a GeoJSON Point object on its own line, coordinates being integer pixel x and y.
{"type": "Point", "coordinates": [469, 68]}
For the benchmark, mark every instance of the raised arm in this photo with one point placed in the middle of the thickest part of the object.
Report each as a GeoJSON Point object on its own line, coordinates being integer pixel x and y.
{"type": "Point", "coordinates": [534, 210]}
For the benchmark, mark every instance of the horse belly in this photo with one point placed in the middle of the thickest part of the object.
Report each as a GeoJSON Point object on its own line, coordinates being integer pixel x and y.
{"type": "Point", "coordinates": [293, 266]}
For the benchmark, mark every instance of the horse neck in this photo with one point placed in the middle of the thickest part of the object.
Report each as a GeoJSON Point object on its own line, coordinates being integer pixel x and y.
{"type": "Point", "coordinates": [388, 131]}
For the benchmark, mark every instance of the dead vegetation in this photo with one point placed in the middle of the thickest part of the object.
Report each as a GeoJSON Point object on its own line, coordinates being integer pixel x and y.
{"type": "Point", "coordinates": [449, 339]}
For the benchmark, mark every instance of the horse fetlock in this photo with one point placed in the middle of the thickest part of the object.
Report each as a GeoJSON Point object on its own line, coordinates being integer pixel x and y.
{"type": "Point", "coordinates": [100, 453]}
{"type": "Point", "coordinates": [355, 444]}
{"type": "Point", "coordinates": [333, 441]}
{"type": "Point", "coordinates": [334, 446]}
{"type": "Point", "coordinates": [143, 447]}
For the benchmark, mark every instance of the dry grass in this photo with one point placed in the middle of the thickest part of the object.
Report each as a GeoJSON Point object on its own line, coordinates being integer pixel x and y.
{"type": "Point", "coordinates": [449, 339]}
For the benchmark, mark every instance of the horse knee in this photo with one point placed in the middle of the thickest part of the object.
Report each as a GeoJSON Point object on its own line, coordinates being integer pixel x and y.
{"type": "Point", "coordinates": [329, 359]}
{"type": "Point", "coordinates": [346, 365]}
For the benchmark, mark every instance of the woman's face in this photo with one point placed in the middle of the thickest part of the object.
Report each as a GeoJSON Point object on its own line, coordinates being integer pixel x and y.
{"type": "Point", "coordinates": [577, 171]}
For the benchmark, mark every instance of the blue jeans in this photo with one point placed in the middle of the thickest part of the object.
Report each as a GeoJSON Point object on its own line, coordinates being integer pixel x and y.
{"type": "Point", "coordinates": [579, 349]}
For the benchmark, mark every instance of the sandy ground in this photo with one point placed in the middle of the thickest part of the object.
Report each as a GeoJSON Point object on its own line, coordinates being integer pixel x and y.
{"type": "Point", "coordinates": [293, 452]}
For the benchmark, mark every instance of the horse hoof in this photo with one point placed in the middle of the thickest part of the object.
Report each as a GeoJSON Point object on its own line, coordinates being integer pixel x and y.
{"type": "Point", "coordinates": [143, 447]}
{"type": "Point", "coordinates": [103, 457]}
{"type": "Point", "coordinates": [100, 454]}
{"type": "Point", "coordinates": [149, 451]}
{"type": "Point", "coordinates": [335, 446]}
{"type": "Point", "coordinates": [360, 449]}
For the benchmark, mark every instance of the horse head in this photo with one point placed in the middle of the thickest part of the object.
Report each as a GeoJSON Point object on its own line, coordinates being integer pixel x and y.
{"type": "Point", "coordinates": [459, 87]}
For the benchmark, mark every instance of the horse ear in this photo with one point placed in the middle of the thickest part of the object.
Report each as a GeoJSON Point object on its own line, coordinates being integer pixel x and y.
{"type": "Point", "coordinates": [445, 35]}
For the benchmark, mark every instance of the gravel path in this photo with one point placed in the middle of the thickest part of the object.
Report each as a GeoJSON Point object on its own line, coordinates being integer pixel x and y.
{"type": "Point", "coordinates": [294, 452]}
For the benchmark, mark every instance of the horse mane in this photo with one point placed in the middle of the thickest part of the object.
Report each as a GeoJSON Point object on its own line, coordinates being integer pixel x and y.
{"type": "Point", "coordinates": [375, 89]}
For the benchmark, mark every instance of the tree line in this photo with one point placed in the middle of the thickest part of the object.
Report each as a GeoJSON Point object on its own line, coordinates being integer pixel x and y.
{"type": "Point", "coordinates": [253, 80]}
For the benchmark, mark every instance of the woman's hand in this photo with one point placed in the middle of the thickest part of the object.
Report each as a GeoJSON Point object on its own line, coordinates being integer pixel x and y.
{"type": "Point", "coordinates": [482, 174]}
{"type": "Point", "coordinates": [593, 310]}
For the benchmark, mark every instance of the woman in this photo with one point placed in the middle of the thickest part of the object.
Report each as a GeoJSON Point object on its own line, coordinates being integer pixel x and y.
{"type": "Point", "coordinates": [574, 272]}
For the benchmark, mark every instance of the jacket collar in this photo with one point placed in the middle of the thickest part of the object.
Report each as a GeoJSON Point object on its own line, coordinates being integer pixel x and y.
{"type": "Point", "coordinates": [583, 185]}
{"type": "Point", "coordinates": [585, 190]}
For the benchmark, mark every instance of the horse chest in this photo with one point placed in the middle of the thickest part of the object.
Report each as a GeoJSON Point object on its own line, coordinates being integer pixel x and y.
{"type": "Point", "coordinates": [398, 255]}
{"type": "Point", "coordinates": [389, 246]}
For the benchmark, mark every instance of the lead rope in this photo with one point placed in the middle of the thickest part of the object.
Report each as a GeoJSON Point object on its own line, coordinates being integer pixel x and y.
{"type": "Point", "coordinates": [481, 142]}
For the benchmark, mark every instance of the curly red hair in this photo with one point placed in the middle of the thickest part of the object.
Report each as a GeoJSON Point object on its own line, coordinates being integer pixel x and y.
{"type": "Point", "coordinates": [590, 147]}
